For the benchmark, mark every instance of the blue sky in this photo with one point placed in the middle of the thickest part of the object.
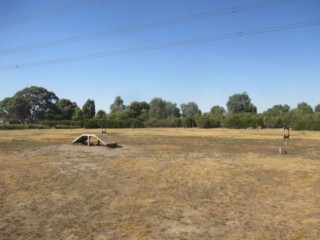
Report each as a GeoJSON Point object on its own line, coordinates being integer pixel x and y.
{"type": "Point", "coordinates": [279, 67]}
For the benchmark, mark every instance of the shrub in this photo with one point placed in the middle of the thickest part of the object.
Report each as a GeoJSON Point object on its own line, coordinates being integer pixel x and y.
{"type": "Point", "coordinates": [128, 123]}
{"type": "Point", "coordinates": [167, 122]}
{"type": "Point", "coordinates": [242, 120]}
{"type": "Point", "coordinates": [22, 126]}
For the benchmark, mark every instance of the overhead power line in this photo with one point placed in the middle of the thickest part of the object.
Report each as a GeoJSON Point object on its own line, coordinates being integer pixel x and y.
{"type": "Point", "coordinates": [168, 45]}
{"type": "Point", "coordinates": [167, 22]}
{"type": "Point", "coordinates": [51, 12]}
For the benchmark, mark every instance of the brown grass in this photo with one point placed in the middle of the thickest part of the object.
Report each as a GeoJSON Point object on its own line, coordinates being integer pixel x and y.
{"type": "Point", "coordinates": [161, 184]}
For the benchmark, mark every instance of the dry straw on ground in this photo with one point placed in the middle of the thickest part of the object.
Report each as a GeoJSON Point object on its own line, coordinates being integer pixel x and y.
{"type": "Point", "coordinates": [161, 184]}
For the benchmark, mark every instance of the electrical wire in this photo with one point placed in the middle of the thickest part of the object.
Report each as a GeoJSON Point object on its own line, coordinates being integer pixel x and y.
{"type": "Point", "coordinates": [172, 21]}
{"type": "Point", "coordinates": [168, 45]}
{"type": "Point", "coordinates": [51, 12]}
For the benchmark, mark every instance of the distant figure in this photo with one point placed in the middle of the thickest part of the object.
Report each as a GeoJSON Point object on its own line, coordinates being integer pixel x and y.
{"type": "Point", "coordinates": [282, 151]}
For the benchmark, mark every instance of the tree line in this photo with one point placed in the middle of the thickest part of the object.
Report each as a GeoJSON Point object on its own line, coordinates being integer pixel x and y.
{"type": "Point", "coordinates": [36, 106]}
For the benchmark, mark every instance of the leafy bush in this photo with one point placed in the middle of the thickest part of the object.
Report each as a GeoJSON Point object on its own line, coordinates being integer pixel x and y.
{"type": "Point", "coordinates": [210, 120]}
{"type": "Point", "coordinates": [62, 124]}
{"type": "Point", "coordinates": [128, 123]}
{"type": "Point", "coordinates": [21, 126]}
{"type": "Point", "coordinates": [167, 122]}
{"type": "Point", "coordinates": [242, 120]}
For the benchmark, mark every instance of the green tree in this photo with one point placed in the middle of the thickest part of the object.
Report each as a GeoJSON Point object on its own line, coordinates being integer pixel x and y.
{"type": "Point", "coordinates": [204, 121]}
{"type": "Point", "coordinates": [78, 115]}
{"type": "Point", "coordinates": [122, 114]}
{"type": "Point", "coordinates": [158, 108]}
{"type": "Point", "coordinates": [118, 104]}
{"type": "Point", "coordinates": [304, 108]}
{"type": "Point", "coordinates": [89, 109]}
{"type": "Point", "coordinates": [188, 122]}
{"type": "Point", "coordinates": [240, 103]}
{"type": "Point", "coordinates": [140, 109]}
{"type": "Point", "coordinates": [15, 108]}
{"type": "Point", "coordinates": [66, 109]}
{"type": "Point", "coordinates": [4, 114]}
{"type": "Point", "coordinates": [242, 120]}
{"type": "Point", "coordinates": [161, 109]}
{"type": "Point", "coordinates": [317, 108]}
{"type": "Point", "coordinates": [172, 109]}
{"type": "Point", "coordinates": [190, 109]}
{"type": "Point", "coordinates": [42, 102]}
{"type": "Point", "coordinates": [32, 104]}
{"type": "Point", "coordinates": [217, 110]}
{"type": "Point", "coordinates": [301, 118]}
{"type": "Point", "coordinates": [277, 116]}
{"type": "Point", "coordinates": [278, 109]}
{"type": "Point", "coordinates": [5, 106]}
{"type": "Point", "coordinates": [217, 115]}
{"type": "Point", "coordinates": [119, 111]}
{"type": "Point", "coordinates": [101, 114]}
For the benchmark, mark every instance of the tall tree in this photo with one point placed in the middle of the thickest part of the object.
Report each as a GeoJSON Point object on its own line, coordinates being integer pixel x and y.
{"type": "Point", "coordinates": [317, 108]}
{"type": "Point", "coordinates": [15, 108]}
{"type": "Point", "coordinates": [4, 108]}
{"type": "Point", "coordinates": [118, 104]}
{"type": "Point", "coordinates": [41, 101]}
{"type": "Point", "coordinates": [278, 109]}
{"type": "Point", "coordinates": [172, 109]}
{"type": "Point", "coordinates": [240, 103]}
{"type": "Point", "coordinates": [158, 108]}
{"type": "Point", "coordinates": [217, 115]}
{"type": "Point", "coordinates": [139, 107]}
{"type": "Point", "coordinates": [78, 115]}
{"type": "Point", "coordinates": [32, 104]}
{"type": "Point", "coordinates": [304, 108]}
{"type": "Point", "coordinates": [218, 110]}
{"type": "Point", "coordinates": [66, 109]}
{"type": "Point", "coordinates": [4, 114]}
{"type": "Point", "coordinates": [161, 109]}
{"type": "Point", "coordinates": [89, 109]}
{"type": "Point", "coordinates": [190, 109]}
{"type": "Point", "coordinates": [277, 116]}
{"type": "Point", "coordinates": [101, 114]}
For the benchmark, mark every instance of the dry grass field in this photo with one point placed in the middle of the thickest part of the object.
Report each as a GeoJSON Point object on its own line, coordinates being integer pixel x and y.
{"type": "Point", "coordinates": [160, 184]}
